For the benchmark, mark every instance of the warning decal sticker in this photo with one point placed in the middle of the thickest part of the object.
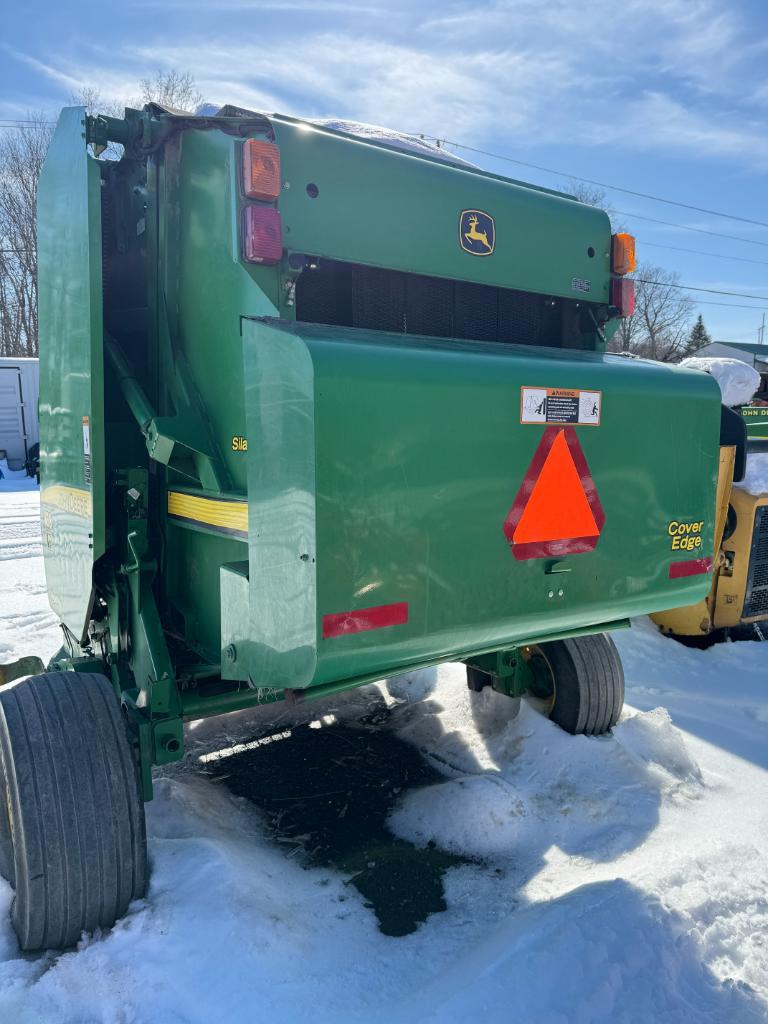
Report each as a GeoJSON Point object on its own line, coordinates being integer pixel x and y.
{"type": "Point", "coordinates": [560, 405]}
{"type": "Point", "coordinates": [557, 511]}
{"type": "Point", "coordinates": [87, 450]}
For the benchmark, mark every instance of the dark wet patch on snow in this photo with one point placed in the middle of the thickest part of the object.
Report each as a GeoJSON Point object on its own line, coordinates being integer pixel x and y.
{"type": "Point", "coordinates": [327, 792]}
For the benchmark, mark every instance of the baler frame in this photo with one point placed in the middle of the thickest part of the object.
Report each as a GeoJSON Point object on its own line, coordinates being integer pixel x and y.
{"type": "Point", "coordinates": [178, 620]}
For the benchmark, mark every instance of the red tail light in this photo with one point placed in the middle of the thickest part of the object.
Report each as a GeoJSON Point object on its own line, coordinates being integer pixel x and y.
{"type": "Point", "coordinates": [623, 295]}
{"type": "Point", "coordinates": [262, 235]}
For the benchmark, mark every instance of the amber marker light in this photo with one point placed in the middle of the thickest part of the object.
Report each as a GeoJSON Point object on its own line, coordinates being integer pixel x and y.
{"type": "Point", "coordinates": [261, 169]}
{"type": "Point", "coordinates": [623, 259]}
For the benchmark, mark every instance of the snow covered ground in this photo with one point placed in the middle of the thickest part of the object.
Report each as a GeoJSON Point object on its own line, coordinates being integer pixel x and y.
{"type": "Point", "coordinates": [614, 879]}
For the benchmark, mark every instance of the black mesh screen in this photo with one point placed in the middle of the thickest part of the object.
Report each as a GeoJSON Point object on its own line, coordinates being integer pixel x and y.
{"type": "Point", "coordinates": [351, 295]}
{"type": "Point", "coordinates": [756, 602]}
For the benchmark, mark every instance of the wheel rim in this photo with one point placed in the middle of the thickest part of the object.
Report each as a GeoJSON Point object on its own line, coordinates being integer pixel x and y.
{"type": "Point", "coordinates": [542, 694]}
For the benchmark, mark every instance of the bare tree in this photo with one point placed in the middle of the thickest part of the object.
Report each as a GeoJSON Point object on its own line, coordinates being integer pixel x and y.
{"type": "Point", "coordinates": [22, 153]}
{"type": "Point", "coordinates": [21, 159]}
{"type": "Point", "coordinates": [591, 195]}
{"type": "Point", "coordinates": [660, 327]}
{"type": "Point", "coordinates": [172, 88]}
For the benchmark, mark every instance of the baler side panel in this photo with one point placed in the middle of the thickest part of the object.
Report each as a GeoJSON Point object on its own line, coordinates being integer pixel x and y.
{"type": "Point", "coordinates": [71, 369]}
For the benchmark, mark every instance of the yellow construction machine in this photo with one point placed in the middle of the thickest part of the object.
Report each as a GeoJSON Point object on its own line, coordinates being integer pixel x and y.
{"type": "Point", "coordinates": [737, 603]}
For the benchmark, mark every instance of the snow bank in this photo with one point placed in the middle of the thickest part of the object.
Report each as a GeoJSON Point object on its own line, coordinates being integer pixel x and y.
{"type": "Point", "coordinates": [738, 381]}
{"type": "Point", "coordinates": [412, 686]}
{"type": "Point", "coordinates": [756, 477]}
{"type": "Point", "coordinates": [605, 952]}
{"type": "Point", "coordinates": [7, 475]}
{"type": "Point", "coordinates": [618, 878]}
{"type": "Point", "coordinates": [536, 786]}
{"type": "Point", "coordinates": [19, 521]}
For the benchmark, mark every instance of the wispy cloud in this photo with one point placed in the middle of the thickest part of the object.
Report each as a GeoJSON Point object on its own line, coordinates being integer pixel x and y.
{"type": "Point", "coordinates": [373, 80]}
{"type": "Point", "coordinates": [506, 72]}
{"type": "Point", "coordinates": [318, 7]}
{"type": "Point", "coordinates": [657, 121]}
{"type": "Point", "coordinates": [72, 76]}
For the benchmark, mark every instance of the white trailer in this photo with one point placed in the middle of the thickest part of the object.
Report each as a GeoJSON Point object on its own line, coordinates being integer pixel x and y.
{"type": "Point", "coordinates": [18, 409]}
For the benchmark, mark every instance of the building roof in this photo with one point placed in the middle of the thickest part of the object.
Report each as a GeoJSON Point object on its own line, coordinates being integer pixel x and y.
{"type": "Point", "coordinates": [747, 346]}
{"type": "Point", "coordinates": [749, 352]}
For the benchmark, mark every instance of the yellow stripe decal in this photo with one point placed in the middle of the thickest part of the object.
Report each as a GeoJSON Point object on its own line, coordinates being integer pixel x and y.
{"type": "Point", "coordinates": [228, 516]}
{"type": "Point", "coordinates": [74, 500]}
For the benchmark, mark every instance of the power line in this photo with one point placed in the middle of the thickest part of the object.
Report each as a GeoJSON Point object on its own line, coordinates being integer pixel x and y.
{"type": "Point", "coordinates": [710, 291]}
{"type": "Point", "coordinates": [601, 184]}
{"type": "Point", "coordinates": [28, 126]}
{"type": "Point", "coordinates": [25, 120]}
{"type": "Point", "coordinates": [700, 252]}
{"type": "Point", "coordinates": [739, 337]}
{"type": "Point", "coordinates": [689, 227]}
{"type": "Point", "coordinates": [623, 213]}
{"type": "Point", "coordinates": [730, 305]}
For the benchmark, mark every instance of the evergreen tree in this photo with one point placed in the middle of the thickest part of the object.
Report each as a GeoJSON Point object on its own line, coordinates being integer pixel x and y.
{"type": "Point", "coordinates": [699, 337]}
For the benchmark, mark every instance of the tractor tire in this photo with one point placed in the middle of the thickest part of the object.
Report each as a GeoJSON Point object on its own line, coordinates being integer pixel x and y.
{"type": "Point", "coordinates": [72, 833]}
{"type": "Point", "coordinates": [588, 683]}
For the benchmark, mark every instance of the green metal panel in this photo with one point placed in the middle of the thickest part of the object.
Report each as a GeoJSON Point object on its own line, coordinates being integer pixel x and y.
{"type": "Point", "coordinates": [417, 453]}
{"type": "Point", "coordinates": [279, 400]}
{"type": "Point", "coordinates": [71, 369]}
{"type": "Point", "coordinates": [756, 419]}
{"type": "Point", "coordinates": [392, 209]}
{"type": "Point", "coordinates": [208, 288]}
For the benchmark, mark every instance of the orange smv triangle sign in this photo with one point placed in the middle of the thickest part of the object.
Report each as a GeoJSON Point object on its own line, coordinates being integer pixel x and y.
{"type": "Point", "coordinates": [557, 510]}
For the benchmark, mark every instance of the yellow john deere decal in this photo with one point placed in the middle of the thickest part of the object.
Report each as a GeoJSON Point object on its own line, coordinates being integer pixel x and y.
{"type": "Point", "coordinates": [74, 500]}
{"type": "Point", "coordinates": [220, 514]}
{"type": "Point", "coordinates": [477, 232]}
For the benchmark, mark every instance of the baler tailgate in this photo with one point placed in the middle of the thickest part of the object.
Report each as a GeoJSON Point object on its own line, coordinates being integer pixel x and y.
{"type": "Point", "coordinates": [407, 507]}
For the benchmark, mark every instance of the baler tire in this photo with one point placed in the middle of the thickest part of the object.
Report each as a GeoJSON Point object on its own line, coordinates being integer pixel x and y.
{"type": "Point", "coordinates": [72, 831]}
{"type": "Point", "coordinates": [588, 683]}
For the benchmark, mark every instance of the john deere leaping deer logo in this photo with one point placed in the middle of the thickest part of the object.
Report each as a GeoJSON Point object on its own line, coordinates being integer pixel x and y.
{"type": "Point", "coordinates": [477, 232]}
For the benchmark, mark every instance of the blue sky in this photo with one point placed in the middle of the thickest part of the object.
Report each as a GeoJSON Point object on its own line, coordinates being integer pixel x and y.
{"type": "Point", "coordinates": [668, 97]}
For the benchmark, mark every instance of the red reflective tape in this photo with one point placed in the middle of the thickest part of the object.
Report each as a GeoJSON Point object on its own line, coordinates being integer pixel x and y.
{"type": "Point", "coordinates": [365, 618]}
{"type": "Point", "coordinates": [691, 567]}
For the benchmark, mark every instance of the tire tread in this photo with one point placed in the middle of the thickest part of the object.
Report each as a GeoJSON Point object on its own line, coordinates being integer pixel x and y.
{"type": "Point", "coordinates": [589, 683]}
{"type": "Point", "coordinates": [79, 846]}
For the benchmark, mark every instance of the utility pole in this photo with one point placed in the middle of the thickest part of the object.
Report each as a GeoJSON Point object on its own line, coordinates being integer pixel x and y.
{"type": "Point", "coordinates": [761, 331]}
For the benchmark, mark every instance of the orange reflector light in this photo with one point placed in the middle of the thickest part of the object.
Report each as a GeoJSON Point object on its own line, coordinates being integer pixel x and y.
{"type": "Point", "coordinates": [623, 259]}
{"type": "Point", "coordinates": [623, 295]}
{"type": "Point", "coordinates": [261, 169]}
{"type": "Point", "coordinates": [262, 235]}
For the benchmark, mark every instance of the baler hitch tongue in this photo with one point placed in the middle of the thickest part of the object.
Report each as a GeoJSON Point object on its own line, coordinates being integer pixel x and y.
{"type": "Point", "coordinates": [28, 666]}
